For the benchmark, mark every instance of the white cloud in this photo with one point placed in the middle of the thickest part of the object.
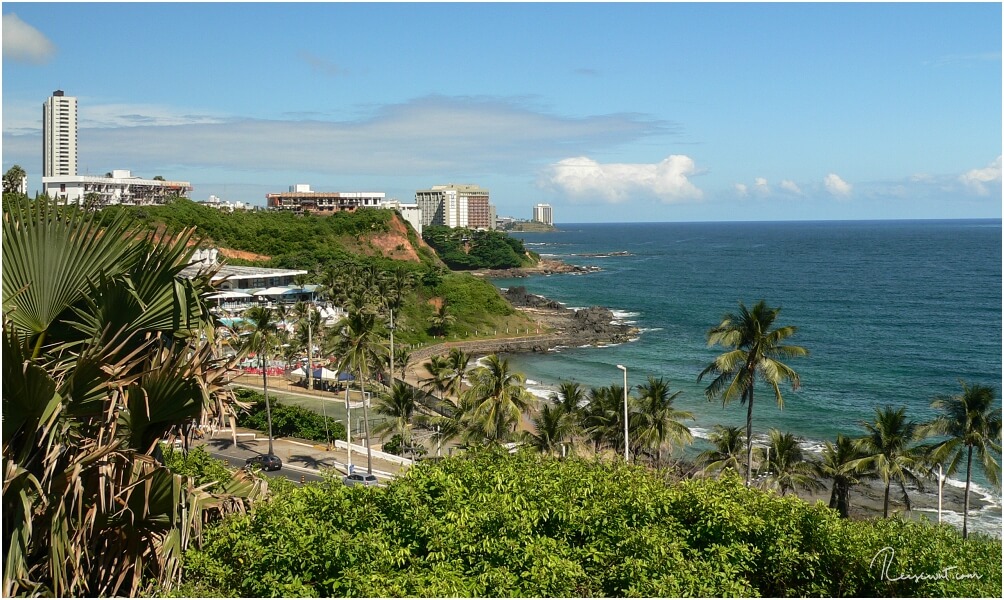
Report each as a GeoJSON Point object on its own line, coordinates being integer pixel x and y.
{"type": "Point", "coordinates": [760, 187]}
{"type": "Point", "coordinates": [24, 43]}
{"type": "Point", "coordinates": [790, 186]}
{"type": "Point", "coordinates": [837, 186]}
{"type": "Point", "coordinates": [977, 179]}
{"type": "Point", "coordinates": [667, 180]}
{"type": "Point", "coordinates": [742, 190]}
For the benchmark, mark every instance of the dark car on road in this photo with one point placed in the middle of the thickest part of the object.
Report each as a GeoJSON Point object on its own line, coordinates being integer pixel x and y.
{"type": "Point", "coordinates": [266, 462]}
{"type": "Point", "coordinates": [360, 479]}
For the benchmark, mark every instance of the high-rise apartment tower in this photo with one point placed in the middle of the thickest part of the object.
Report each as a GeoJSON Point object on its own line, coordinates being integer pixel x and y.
{"type": "Point", "coordinates": [59, 135]}
{"type": "Point", "coordinates": [542, 214]}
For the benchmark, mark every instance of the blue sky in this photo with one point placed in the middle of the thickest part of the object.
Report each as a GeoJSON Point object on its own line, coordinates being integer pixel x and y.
{"type": "Point", "coordinates": [609, 112]}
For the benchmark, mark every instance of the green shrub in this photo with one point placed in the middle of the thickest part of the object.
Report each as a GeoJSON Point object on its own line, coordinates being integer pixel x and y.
{"type": "Point", "coordinates": [490, 524]}
{"type": "Point", "coordinates": [287, 421]}
{"type": "Point", "coordinates": [198, 464]}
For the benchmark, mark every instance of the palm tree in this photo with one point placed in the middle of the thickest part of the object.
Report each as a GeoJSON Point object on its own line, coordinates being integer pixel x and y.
{"type": "Point", "coordinates": [456, 361]}
{"type": "Point", "coordinates": [890, 455]}
{"type": "Point", "coordinates": [492, 407]}
{"type": "Point", "coordinates": [12, 179]}
{"type": "Point", "coordinates": [727, 452]}
{"type": "Point", "coordinates": [441, 320]}
{"type": "Point", "coordinates": [972, 423]}
{"type": "Point", "coordinates": [400, 406]}
{"type": "Point", "coordinates": [756, 353]}
{"type": "Point", "coordinates": [553, 427]}
{"type": "Point", "coordinates": [262, 332]}
{"type": "Point", "coordinates": [603, 417]}
{"type": "Point", "coordinates": [438, 371]}
{"type": "Point", "coordinates": [839, 464]}
{"type": "Point", "coordinates": [657, 423]}
{"type": "Point", "coordinates": [787, 468]}
{"type": "Point", "coordinates": [105, 352]}
{"type": "Point", "coordinates": [360, 346]}
{"type": "Point", "coordinates": [569, 396]}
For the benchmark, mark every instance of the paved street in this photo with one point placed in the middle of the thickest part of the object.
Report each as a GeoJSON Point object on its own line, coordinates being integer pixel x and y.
{"type": "Point", "coordinates": [300, 459]}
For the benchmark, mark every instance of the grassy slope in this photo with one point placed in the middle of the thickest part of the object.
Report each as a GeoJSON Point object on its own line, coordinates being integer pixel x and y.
{"type": "Point", "coordinates": [318, 243]}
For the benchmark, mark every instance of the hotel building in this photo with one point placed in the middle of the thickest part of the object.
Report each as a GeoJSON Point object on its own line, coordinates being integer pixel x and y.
{"type": "Point", "coordinates": [456, 206]}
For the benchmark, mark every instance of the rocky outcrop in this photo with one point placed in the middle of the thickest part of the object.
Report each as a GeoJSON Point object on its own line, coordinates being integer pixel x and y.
{"type": "Point", "coordinates": [593, 325]}
{"type": "Point", "coordinates": [544, 267]}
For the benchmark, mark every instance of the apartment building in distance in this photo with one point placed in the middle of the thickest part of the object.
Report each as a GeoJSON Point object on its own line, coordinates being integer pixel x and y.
{"type": "Point", "coordinates": [454, 205]}
{"type": "Point", "coordinates": [118, 187]}
{"type": "Point", "coordinates": [301, 199]}
{"type": "Point", "coordinates": [59, 166]}
{"type": "Point", "coordinates": [542, 213]}
{"type": "Point", "coordinates": [59, 135]}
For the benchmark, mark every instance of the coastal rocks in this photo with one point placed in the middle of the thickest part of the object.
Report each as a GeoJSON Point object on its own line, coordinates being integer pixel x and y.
{"type": "Point", "coordinates": [544, 267]}
{"type": "Point", "coordinates": [520, 298]}
{"type": "Point", "coordinates": [586, 326]}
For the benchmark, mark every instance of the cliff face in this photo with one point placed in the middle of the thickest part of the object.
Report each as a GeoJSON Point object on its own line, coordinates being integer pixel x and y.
{"type": "Point", "coordinates": [395, 243]}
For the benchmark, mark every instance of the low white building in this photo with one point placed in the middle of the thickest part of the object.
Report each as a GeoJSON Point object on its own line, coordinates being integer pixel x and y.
{"type": "Point", "coordinates": [120, 188]}
{"type": "Point", "coordinates": [409, 212]}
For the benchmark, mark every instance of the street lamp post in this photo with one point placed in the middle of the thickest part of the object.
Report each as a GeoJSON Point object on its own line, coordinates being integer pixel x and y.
{"type": "Point", "coordinates": [348, 430]}
{"type": "Point", "coordinates": [939, 492]}
{"type": "Point", "coordinates": [626, 457]}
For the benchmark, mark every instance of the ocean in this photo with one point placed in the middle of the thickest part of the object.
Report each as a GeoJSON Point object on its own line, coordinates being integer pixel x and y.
{"type": "Point", "coordinates": [891, 312]}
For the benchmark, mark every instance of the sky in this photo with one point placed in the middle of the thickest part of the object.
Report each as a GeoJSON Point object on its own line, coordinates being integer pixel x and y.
{"type": "Point", "coordinates": [609, 112]}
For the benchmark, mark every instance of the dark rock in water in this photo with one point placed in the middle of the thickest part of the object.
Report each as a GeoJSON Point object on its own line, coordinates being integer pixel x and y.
{"type": "Point", "coordinates": [518, 296]}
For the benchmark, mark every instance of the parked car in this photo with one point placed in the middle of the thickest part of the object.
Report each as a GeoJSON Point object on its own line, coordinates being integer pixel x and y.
{"type": "Point", "coordinates": [266, 462]}
{"type": "Point", "coordinates": [360, 479]}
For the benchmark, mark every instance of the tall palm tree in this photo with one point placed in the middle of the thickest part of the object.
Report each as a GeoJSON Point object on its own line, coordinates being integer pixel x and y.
{"type": "Point", "coordinates": [569, 396]}
{"type": "Point", "coordinates": [361, 346]}
{"type": "Point", "coordinates": [838, 464]}
{"type": "Point", "coordinates": [657, 422]}
{"type": "Point", "coordinates": [602, 418]}
{"type": "Point", "coordinates": [553, 427]}
{"type": "Point", "coordinates": [262, 337]}
{"type": "Point", "coordinates": [441, 320]}
{"type": "Point", "coordinates": [756, 353]}
{"type": "Point", "coordinates": [786, 466]}
{"type": "Point", "coordinates": [400, 405]}
{"type": "Point", "coordinates": [494, 403]}
{"type": "Point", "coordinates": [457, 361]}
{"type": "Point", "coordinates": [972, 423]}
{"type": "Point", "coordinates": [438, 373]}
{"type": "Point", "coordinates": [727, 452]}
{"type": "Point", "coordinates": [891, 453]}
{"type": "Point", "coordinates": [105, 352]}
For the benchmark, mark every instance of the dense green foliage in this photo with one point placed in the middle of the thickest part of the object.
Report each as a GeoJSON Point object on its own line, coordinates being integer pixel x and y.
{"type": "Point", "coordinates": [197, 464]}
{"type": "Point", "coordinates": [463, 249]}
{"type": "Point", "coordinates": [292, 241]}
{"type": "Point", "coordinates": [489, 524]}
{"type": "Point", "coordinates": [287, 421]}
{"type": "Point", "coordinates": [331, 246]}
{"type": "Point", "coordinates": [105, 353]}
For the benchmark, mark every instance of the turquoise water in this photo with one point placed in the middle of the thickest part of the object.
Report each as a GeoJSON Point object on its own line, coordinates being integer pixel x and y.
{"type": "Point", "coordinates": [892, 312]}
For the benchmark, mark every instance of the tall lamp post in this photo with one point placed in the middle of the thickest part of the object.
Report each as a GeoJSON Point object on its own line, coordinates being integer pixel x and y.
{"type": "Point", "coordinates": [626, 457]}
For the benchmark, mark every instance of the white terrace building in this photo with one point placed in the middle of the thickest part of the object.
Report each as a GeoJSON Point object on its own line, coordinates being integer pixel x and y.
{"type": "Point", "coordinates": [120, 188]}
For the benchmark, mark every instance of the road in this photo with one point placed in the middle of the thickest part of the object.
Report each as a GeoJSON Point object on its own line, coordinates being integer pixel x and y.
{"type": "Point", "coordinates": [237, 456]}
